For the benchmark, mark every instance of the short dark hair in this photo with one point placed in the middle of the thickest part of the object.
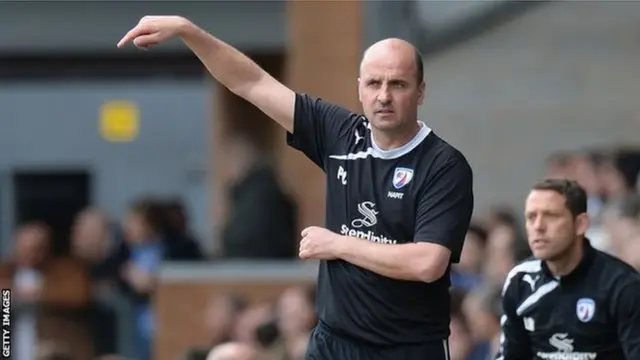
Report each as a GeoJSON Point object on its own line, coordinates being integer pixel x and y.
{"type": "Point", "coordinates": [151, 211]}
{"type": "Point", "coordinates": [575, 196]}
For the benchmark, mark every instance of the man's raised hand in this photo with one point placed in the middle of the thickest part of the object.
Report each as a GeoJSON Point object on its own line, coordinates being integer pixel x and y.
{"type": "Point", "coordinates": [154, 30]}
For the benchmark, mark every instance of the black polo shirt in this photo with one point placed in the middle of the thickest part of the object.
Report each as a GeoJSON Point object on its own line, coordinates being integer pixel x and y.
{"type": "Point", "coordinates": [421, 192]}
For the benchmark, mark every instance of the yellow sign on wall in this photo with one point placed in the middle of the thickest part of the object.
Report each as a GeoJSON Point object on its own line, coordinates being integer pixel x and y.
{"type": "Point", "coordinates": [119, 121]}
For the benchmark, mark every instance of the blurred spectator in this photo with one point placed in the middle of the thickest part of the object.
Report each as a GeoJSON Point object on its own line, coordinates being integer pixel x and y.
{"type": "Point", "coordinates": [262, 217]}
{"type": "Point", "coordinates": [558, 165]}
{"type": "Point", "coordinates": [622, 221]}
{"type": "Point", "coordinates": [585, 169]}
{"type": "Point", "coordinates": [460, 341]}
{"type": "Point", "coordinates": [90, 236]}
{"type": "Point", "coordinates": [91, 242]}
{"type": "Point", "coordinates": [147, 251]}
{"type": "Point", "coordinates": [233, 351]}
{"type": "Point", "coordinates": [221, 315]}
{"type": "Point", "coordinates": [505, 248]}
{"type": "Point", "coordinates": [467, 274]}
{"type": "Point", "coordinates": [502, 216]}
{"type": "Point", "coordinates": [585, 166]}
{"type": "Point", "coordinates": [50, 296]}
{"type": "Point", "coordinates": [177, 233]}
{"type": "Point", "coordinates": [482, 309]}
{"type": "Point", "coordinates": [246, 328]}
{"type": "Point", "coordinates": [296, 318]}
{"type": "Point", "coordinates": [619, 173]}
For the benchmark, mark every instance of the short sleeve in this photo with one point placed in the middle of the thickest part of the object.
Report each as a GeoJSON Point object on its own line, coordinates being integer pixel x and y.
{"type": "Point", "coordinates": [317, 125]}
{"type": "Point", "coordinates": [445, 206]}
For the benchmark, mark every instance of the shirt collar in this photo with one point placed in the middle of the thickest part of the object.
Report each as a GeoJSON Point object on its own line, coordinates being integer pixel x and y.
{"type": "Point", "coordinates": [588, 254]}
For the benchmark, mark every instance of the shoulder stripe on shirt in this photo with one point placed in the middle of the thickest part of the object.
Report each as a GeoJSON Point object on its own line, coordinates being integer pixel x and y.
{"type": "Point", "coordinates": [375, 152]}
{"type": "Point", "coordinates": [530, 266]}
{"type": "Point", "coordinates": [536, 296]}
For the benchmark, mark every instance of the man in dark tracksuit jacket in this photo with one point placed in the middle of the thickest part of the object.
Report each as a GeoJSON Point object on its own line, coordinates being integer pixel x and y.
{"type": "Point", "coordinates": [570, 302]}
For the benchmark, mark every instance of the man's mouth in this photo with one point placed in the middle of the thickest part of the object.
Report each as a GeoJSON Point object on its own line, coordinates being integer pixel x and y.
{"type": "Point", "coordinates": [539, 242]}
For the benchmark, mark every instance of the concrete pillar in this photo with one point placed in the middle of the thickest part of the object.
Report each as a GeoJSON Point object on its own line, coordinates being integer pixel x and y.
{"type": "Point", "coordinates": [325, 46]}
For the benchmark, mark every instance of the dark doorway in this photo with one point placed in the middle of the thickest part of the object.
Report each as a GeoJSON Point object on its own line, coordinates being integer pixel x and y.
{"type": "Point", "coordinates": [54, 198]}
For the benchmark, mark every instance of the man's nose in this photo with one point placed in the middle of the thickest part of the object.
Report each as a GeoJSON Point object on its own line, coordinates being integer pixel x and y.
{"type": "Point", "coordinates": [384, 97]}
{"type": "Point", "coordinates": [539, 225]}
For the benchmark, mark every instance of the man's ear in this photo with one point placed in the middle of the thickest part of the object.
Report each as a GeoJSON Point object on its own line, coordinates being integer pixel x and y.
{"type": "Point", "coordinates": [359, 93]}
{"type": "Point", "coordinates": [422, 88]}
{"type": "Point", "coordinates": [582, 224]}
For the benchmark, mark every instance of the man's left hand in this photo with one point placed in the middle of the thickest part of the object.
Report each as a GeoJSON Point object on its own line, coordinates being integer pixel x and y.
{"type": "Point", "coordinates": [318, 243]}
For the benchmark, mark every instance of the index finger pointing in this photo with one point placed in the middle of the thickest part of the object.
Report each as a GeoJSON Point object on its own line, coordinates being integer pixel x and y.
{"type": "Point", "coordinates": [132, 34]}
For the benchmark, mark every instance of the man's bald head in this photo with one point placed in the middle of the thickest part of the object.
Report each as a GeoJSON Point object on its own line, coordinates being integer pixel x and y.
{"type": "Point", "coordinates": [391, 88]}
{"type": "Point", "coordinates": [398, 47]}
{"type": "Point", "coordinates": [232, 351]}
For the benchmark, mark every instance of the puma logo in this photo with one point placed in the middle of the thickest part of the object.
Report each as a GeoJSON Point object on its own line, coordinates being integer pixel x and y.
{"type": "Point", "coordinates": [358, 137]}
{"type": "Point", "coordinates": [531, 280]}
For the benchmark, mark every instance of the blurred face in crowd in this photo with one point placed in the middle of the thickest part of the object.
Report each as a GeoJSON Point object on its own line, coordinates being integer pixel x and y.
{"type": "Point", "coordinates": [219, 317]}
{"type": "Point", "coordinates": [500, 255]}
{"type": "Point", "coordinates": [388, 87]}
{"type": "Point", "coordinates": [611, 180]}
{"type": "Point", "coordinates": [471, 259]}
{"type": "Point", "coordinates": [31, 246]}
{"type": "Point", "coordinates": [551, 228]}
{"type": "Point", "coordinates": [559, 168]}
{"type": "Point", "coordinates": [295, 312]}
{"type": "Point", "coordinates": [585, 174]}
{"type": "Point", "coordinates": [137, 231]}
{"type": "Point", "coordinates": [248, 322]}
{"type": "Point", "coordinates": [90, 235]}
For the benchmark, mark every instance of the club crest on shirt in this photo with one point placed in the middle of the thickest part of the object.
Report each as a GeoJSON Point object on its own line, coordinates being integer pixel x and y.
{"type": "Point", "coordinates": [585, 309]}
{"type": "Point", "coordinates": [401, 177]}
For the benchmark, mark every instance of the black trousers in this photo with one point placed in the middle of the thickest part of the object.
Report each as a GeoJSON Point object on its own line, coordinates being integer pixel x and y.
{"type": "Point", "coordinates": [324, 345]}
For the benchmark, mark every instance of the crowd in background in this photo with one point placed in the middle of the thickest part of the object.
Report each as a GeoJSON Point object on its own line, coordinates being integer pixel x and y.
{"type": "Point", "coordinates": [107, 258]}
